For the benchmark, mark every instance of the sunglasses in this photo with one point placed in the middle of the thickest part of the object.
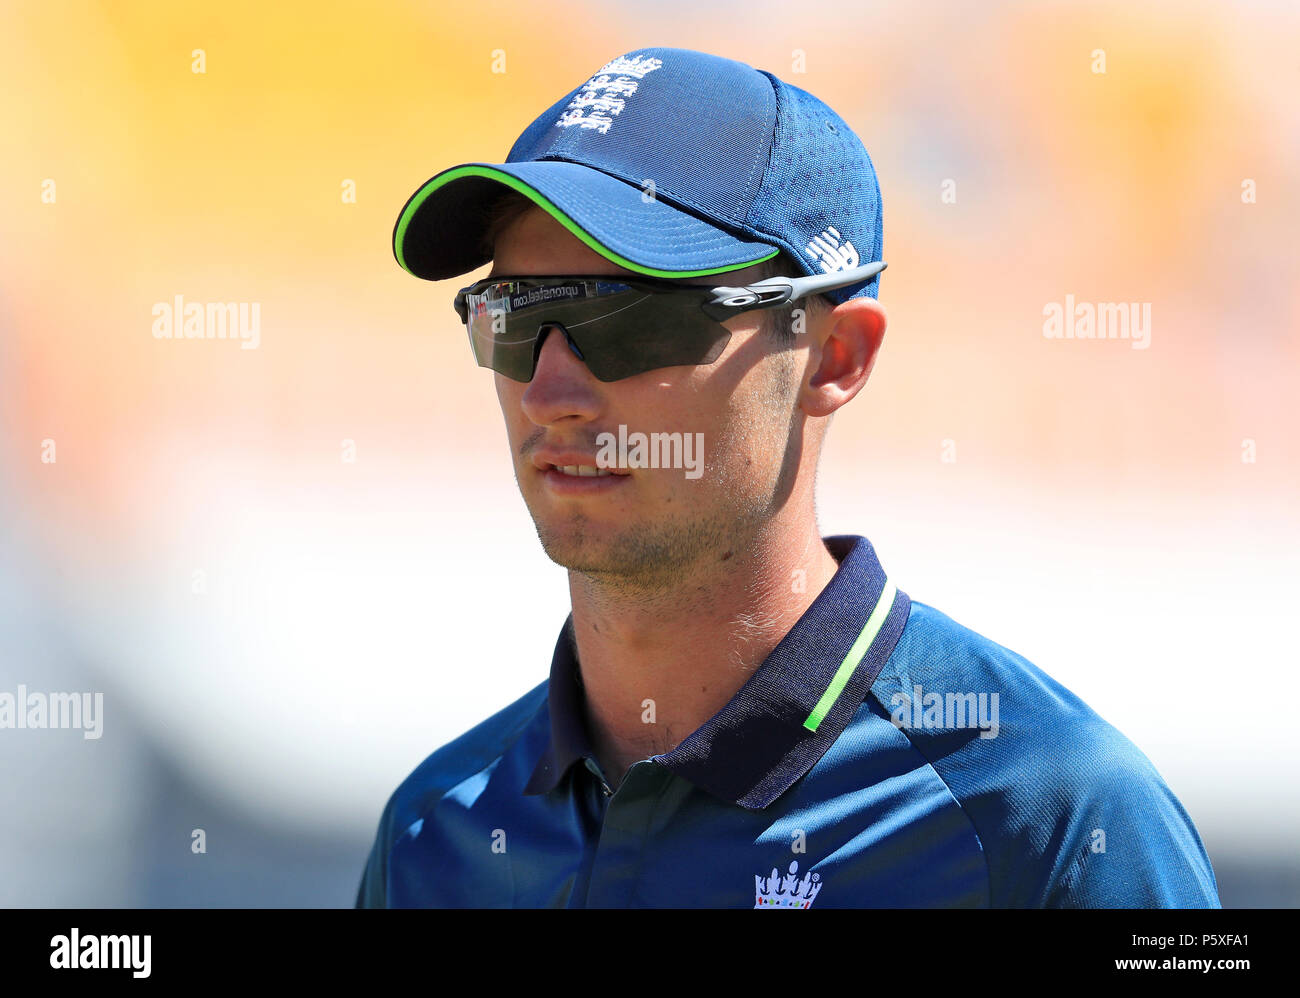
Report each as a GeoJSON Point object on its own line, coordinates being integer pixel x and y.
{"type": "Point", "coordinates": [619, 326]}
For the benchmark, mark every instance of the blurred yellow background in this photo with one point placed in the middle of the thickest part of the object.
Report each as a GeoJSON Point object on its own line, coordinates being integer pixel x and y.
{"type": "Point", "coordinates": [282, 634]}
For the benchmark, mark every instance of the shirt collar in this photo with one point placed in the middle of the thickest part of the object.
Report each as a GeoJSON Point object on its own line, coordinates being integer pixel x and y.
{"type": "Point", "coordinates": [564, 700]}
{"type": "Point", "coordinates": [786, 715]}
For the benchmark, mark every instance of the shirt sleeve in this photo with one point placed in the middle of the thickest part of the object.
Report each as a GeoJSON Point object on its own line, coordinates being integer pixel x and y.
{"type": "Point", "coordinates": [372, 891]}
{"type": "Point", "coordinates": [1130, 844]}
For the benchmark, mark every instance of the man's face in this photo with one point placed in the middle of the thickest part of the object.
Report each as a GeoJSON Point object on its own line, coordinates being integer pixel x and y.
{"type": "Point", "coordinates": [648, 526]}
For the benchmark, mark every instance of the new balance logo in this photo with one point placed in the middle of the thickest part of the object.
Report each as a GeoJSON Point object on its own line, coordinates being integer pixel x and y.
{"type": "Point", "coordinates": [832, 251]}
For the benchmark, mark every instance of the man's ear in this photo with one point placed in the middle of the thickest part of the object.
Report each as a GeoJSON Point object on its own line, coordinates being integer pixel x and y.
{"type": "Point", "coordinates": [844, 350]}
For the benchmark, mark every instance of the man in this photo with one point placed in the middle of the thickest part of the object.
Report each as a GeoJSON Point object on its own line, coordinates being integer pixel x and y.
{"type": "Point", "coordinates": [739, 712]}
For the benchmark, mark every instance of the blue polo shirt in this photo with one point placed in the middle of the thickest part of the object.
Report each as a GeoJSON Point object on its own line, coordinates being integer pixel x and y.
{"type": "Point", "coordinates": [881, 756]}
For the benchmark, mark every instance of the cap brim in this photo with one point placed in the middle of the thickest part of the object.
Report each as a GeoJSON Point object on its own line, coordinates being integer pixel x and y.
{"type": "Point", "coordinates": [439, 232]}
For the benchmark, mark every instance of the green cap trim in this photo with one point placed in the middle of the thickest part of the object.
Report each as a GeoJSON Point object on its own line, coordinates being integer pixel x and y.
{"type": "Point", "coordinates": [855, 656]}
{"type": "Point", "coordinates": [423, 194]}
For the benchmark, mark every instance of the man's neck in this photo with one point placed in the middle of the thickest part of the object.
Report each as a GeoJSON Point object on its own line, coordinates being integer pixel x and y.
{"type": "Point", "coordinates": [655, 670]}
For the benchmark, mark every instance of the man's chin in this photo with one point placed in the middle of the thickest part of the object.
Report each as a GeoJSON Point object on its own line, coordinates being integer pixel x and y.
{"type": "Point", "coordinates": [591, 547]}
{"type": "Point", "coordinates": [627, 554]}
{"type": "Point", "coordinates": [578, 549]}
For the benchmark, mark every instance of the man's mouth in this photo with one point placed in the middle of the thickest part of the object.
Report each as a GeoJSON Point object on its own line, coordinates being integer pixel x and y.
{"type": "Point", "coordinates": [581, 470]}
{"type": "Point", "coordinates": [573, 464]}
{"type": "Point", "coordinates": [581, 477]}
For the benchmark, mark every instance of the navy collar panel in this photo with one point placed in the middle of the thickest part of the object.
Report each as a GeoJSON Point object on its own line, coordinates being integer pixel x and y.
{"type": "Point", "coordinates": [569, 740]}
{"type": "Point", "coordinates": [786, 715]}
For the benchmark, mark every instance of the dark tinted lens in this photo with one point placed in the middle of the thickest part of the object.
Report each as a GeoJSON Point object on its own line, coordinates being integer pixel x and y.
{"type": "Point", "coordinates": [501, 346]}
{"type": "Point", "coordinates": [654, 331]}
{"type": "Point", "coordinates": [621, 329]}
{"type": "Point", "coordinates": [505, 317]}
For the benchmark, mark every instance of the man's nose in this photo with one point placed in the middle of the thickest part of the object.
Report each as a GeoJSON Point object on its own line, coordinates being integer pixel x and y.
{"type": "Point", "coordinates": [561, 386]}
{"type": "Point", "coordinates": [563, 337]}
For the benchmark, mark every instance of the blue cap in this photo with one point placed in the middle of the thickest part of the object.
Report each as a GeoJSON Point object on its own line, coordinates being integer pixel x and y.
{"type": "Point", "coordinates": [670, 163]}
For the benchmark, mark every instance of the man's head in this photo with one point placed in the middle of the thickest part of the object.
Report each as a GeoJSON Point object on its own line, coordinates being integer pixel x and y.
{"type": "Point", "coordinates": [687, 168]}
{"type": "Point", "coordinates": [760, 411]}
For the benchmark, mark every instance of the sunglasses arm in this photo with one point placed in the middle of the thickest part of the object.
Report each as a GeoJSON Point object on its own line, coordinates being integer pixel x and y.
{"type": "Point", "coordinates": [779, 290]}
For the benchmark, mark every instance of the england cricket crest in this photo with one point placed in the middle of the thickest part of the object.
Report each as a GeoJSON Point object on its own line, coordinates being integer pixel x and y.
{"type": "Point", "coordinates": [789, 891]}
{"type": "Point", "coordinates": [603, 97]}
